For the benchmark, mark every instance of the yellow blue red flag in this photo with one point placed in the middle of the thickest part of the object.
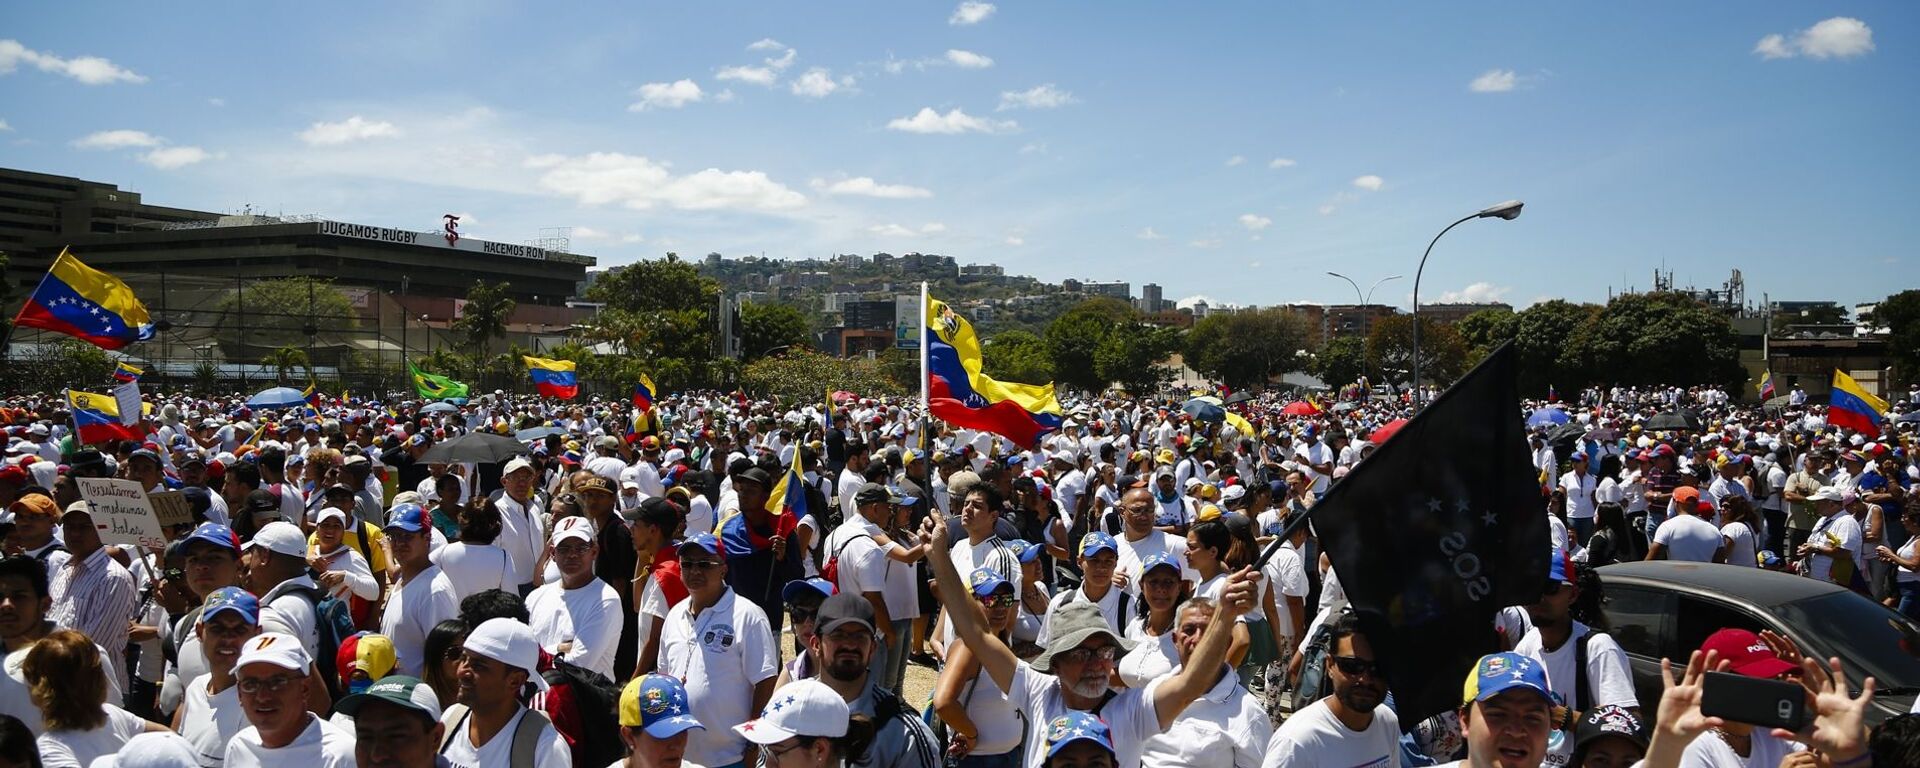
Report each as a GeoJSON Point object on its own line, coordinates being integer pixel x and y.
{"type": "Point", "coordinates": [87, 304]}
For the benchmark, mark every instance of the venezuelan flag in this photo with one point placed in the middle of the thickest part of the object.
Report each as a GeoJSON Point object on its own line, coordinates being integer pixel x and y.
{"type": "Point", "coordinates": [97, 418]}
{"type": "Point", "coordinates": [643, 393]}
{"type": "Point", "coordinates": [959, 394]}
{"type": "Point", "coordinates": [1851, 406]}
{"type": "Point", "coordinates": [1766, 384]}
{"type": "Point", "coordinates": [126, 374]}
{"type": "Point", "coordinates": [554, 378]}
{"type": "Point", "coordinates": [83, 302]}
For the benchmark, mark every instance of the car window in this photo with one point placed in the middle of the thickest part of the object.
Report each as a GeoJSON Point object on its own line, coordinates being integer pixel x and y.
{"type": "Point", "coordinates": [1869, 637]}
{"type": "Point", "coordinates": [1699, 617]}
{"type": "Point", "coordinates": [1639, 618]}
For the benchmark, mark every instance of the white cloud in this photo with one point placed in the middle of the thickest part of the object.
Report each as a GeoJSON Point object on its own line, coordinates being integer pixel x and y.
{"type": "Point", "coordinates": [1149, 234]}
{"type": "Point", "coordinates": [1494, 81]}
{"type": "Point", "coordinates": [1255, 223]}
{"type": "Point", "coordinates": [90, 70]}
{"type": "Point", "coordinates": [1038, 97]}
{"type": "Point", "coordinates": [1016, 240]}
{"type": "Point", "coordinates": [818, 83]}
{"type": "Point", "coordinates": [355, 128]}
{"type": "Point", "coordinates": [954, 121]}
{"type": "Point", "coordinates": [968, 59]}
{"type": "Point", "coordinates": [1188, 302]}
{"type": "Point", "coordinates": [1370, 183]}
{"type": "Point", "coordinates": [169, 158]}
{"type": "Point", "coordinates": [1282, 162]}
{"type": "Point", "coordinates": [674, 95]}
{"type": "Point", "coordinates": [1773, 47]}
{"type": "Point", "coordinates": [1328, 209]}
{"type": "Point", "coordinates": [4, 127]}
{"type": "Point", "coordinates": [768, 72]}
{"type": "Point", "coordinates": [1205, 242]}
{"type": "Point", "coordinates": [1478, 293]}
{"type": "Point", "coordinates": [1034, 148]}
{"type": "Point", "coordinates": [896, 230]}
{"type": "Point", "coordinates": [588, 233]}
{"type": "Point", "coordinates": [865, 186]}
{"type": "Point", "coordinates": [216, 102]}
{"type": "Point", "coordinates": [636, 182]}
{"type": "Point", "coordinates": [119, 139]}
{"type": "Point", "coordinates": [970, 13]}
{"type": "Point", "coordinates": [1236, 160]}
{"type": "Point", "coordinates": [632, 238]}
{"type": "Point", "coordinates": [1840, 37]}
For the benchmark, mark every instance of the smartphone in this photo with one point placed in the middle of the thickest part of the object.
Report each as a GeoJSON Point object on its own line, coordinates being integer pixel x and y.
{"type": "Point", "coordinates": [1754, 701]}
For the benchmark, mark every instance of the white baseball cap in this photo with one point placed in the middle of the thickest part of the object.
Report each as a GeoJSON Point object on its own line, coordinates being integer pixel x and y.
{"type": "Point", "coordinates": [329, 513]}
{"type": "Point", "coordinates": [571, 528]}
{"type": "Point", "coordinates": [508, 642]}
{"type": "Point", "coordinates": [518, 463]}
{"type": "Point", "coordinates": [277, 648]}
{"type": "Point", "coordinates": [160, 749]}
{"type": "Point", "coordinates": [281, 538]}
{"type": "Point", "coordinates": [802, 708]}
{"type": "Point", "coordinates": [1826, 493]}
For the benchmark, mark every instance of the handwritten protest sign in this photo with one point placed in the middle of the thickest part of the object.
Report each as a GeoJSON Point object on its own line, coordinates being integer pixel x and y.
{"type": "Point", "coordinates": [122, 512]}
{"type": "Point", "coordinates": [171, 508]}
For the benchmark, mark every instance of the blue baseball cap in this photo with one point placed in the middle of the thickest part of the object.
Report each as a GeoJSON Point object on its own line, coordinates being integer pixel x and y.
{"type": "Point", "coordinates": [985, 580]}
{"type": "Point", "coordinates": [232, 599]}
{"type": "Point", "coordinates": [1578, 456]}
{"type": "Point", "coordinates": [657, 704]}
{"type": "Point", "coordinates": [799, 586]}
{"type": "Point", "coordinates": [407, 517]}
{"type": "Point", "coordinates": [1561, 568]}
{"type": "Point", "coordinates": [1497, 673]}
{"type": "Point", "coordinates": [1077, 726]}
{"type": "Point", "coordinates": [1026, 551]}
{"type": "Point", "coordinates": [1095, 541]}
{"type": "Point", "coordinates": [1157, 560]}
{"type": "Point", "coordinates": [704, 541]}
{"type": "Point", "coordinates": [216, 534]}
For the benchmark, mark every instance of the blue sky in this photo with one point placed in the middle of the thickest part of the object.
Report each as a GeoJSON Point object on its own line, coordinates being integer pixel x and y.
{"type": "Point", "coordinates": [1230, 150]}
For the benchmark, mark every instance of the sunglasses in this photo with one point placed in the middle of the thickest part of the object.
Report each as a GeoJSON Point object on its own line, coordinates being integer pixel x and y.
{"type": "Point", "coordinates": [698, 565]}
{"type": "Point", "coordinates": [1354, 666]}
{"type": "Point", "coordinates": [997, 601]}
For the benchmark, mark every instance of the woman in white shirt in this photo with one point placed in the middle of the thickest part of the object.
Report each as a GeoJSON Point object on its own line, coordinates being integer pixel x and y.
{"type": "Point", "coordinates": [983, 727]}
{"type": "Point", "coordinates": [342, 570]}
{"type": "Point", "coordinates": [1906, 560]}
{"type": "Point", "coordinates": [474, 563]}
{"type": "Point", "coordinates": [1740, 534]}
{"type": "Point", "coordinates": [69, 687]}
{"type": "Point", "coordinates": [1162, 590]}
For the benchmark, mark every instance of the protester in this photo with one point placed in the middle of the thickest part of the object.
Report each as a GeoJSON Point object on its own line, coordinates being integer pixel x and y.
{"type": "Point", "coordinates": [579, 617]}
{"type": "Point", "coordinates": [396, 723]}
{"type": "Point", "coordinates": [655, 722]}
{"type": "Point", "coordinates": [615, 561]}
{"type": "Point", "coordinates": [1561, 643]}
{"type": "Point", "coordinates": [210, 712]}
{"type": "Point", "coordinates": [422, 596]}
{"type": "Point", "coordinates": [723, 647]}
{"type": "Point", "coordinates": [843, 646]}
{"type": "Point", "coordinates": [983, 727]}
{"type": "Point", "coordinates": [490, 725]}
{"type": "Point", "coordinates": [1354, 726]}
{"type": "Point", "coordinates": [803, 599]}
{"type": "Point", "coordinates": [810, 727]}
{"type": "Point", "coordinates": [1226, 727]}
{"type": "Point", "coordinates": [1690, 534]}
{"type": "Point", "coordinates": [91, 592]}
{"type": "Point", "coordinates": [474, 562]}
{"type": "Point", "coordinates": [273, 677]}
{"type": "Point", "coordinates": [520, 524]}
{"type": "Point", "coordinates": [1508, 713]}
{"type": "Point", "coordinates": [68, 683]}
{"type": "Point", "coordinates": [657, 583]}
{"type": "Point", "coordinates": [1609, 737]}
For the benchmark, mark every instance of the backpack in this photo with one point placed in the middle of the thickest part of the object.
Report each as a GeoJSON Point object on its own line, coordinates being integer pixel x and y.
{"type": "Point", "coordinates": [831, 571]}
{"type": "Point", "coordinates": [595, 700]}
{"type": "Point", "coordinates": [526, 736]}
{"type": "Point", "coordinates": [334, 619]}
{"type": "Point", "coordinates": [1582, 695]}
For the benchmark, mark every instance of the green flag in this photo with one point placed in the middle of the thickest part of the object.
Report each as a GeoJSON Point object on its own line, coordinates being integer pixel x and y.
{"type": "Point", "coordinates": [435, 387]}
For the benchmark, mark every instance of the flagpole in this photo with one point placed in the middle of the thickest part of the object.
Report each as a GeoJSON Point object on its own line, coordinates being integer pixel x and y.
{"type": "Point", "coordinates": [925, 505]}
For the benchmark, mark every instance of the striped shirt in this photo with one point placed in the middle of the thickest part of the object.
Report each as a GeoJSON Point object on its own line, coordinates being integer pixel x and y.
{"type": "Point", "coordinates": [95, 595]}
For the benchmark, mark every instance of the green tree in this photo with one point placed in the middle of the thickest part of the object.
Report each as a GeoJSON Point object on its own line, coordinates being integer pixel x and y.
{"type": "Point", "coordinates": [661, 311]}
{"type": "Point", "coordinates": [1654, 338]}
{"type": "Point", "coordinates": [1485, 330]}
{"type": "Point", "coordinates": [282, 312]}
{"type": "Point", "coordinates": [1104, 341]}
{"type": "Point", "coordinates": [1443, 355]}
{"type": "Point", "coordinates": [1247, 349]}
{"type": "Point", "coordinates": [56, 365]}
{"type": "Point", "coordinates": [806, 376]}
{"type": "Point", "coordinates": [1017, 356]}
{"type": "Point", "coordinates": [484, 317]}
{"type": "Point", "coordinates": [1342, 360]}
{"type": "Point", "coordinates": [1540, 335]}
{"type": "Point", "coordinates": [1899, 314]}
{"type": "Point", "coordinates": [767, 327]}
{"type": "Point", "coordinates": [284, 360]}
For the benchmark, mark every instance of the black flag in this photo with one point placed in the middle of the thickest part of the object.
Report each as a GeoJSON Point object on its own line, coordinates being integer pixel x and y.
{"type": "Point", "coordinates": [1437, 531]}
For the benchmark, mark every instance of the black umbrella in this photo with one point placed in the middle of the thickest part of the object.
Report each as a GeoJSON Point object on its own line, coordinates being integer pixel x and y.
{"type": "Point", "coordinates": [1673, 420]}
{"type": "Point", "coordinates": [476, 447]}
{"type": "Point", "coordinates": [1239, 397]}
{"type": "Point", "coordinates": [1566, 434]}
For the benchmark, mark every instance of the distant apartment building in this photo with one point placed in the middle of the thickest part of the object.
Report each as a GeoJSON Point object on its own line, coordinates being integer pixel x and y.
{"type": "Point", "coordinates": [1151, 300]}
{"type": "Point", "coordinates": [1117, 290]}
{"type": "Point", "coordinates": [983, 270]}
{"type": "Point", "coordinates": [868, 315]}
{"type": "Point", "coordinates": [1355, 319]}
{"type": "Point", "coordinates": [1453, 313]}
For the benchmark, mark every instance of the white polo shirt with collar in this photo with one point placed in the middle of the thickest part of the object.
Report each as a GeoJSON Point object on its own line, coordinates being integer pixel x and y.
{"type": "Point", "coordinates": [720, 655]}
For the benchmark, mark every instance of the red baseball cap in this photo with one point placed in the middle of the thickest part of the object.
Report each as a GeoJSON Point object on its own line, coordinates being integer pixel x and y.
{"type": "Point", "coordinates": [1746, 654]}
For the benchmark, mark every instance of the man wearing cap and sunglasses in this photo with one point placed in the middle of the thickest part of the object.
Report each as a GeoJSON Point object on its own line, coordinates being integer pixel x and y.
{"type": "Point", "coordinates": [274, 677]}
{"type": "Point", "coordinates": [577, 618]}
{"type": "Point", "coordinates": [1074, 670]}
{"type": "Point", "coordinates": [421, 596]}
{"type": "Point", "coordinates": [723, 647]}
{"type": "Point", "coordinates": [1585, 667]}
{"type": "Point", "coordinates": [489, 727]}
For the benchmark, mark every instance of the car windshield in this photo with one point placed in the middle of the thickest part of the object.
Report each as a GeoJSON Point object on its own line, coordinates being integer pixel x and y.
{"type": "Point", "coordinates": [1868, 638]}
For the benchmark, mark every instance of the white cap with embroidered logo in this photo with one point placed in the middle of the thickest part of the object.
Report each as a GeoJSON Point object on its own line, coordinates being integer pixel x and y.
{"type": "Point", "coordinates": [802, 708]}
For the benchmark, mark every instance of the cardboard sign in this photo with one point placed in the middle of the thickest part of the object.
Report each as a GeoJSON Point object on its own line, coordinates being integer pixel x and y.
{"type": "Point", "coordinates": [122, 512]}
{"type": "Point", "coordinates": [171, 508]}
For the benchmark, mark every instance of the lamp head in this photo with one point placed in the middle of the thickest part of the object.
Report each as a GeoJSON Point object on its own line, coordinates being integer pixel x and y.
{"type": "Point", "coordinates": [1508, 210]}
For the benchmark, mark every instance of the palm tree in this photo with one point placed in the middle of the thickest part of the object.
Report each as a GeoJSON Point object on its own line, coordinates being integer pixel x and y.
{"type": "Point", "coordinates": [484, 318]}
{"type": "Point", "coordinates": [285, 359]}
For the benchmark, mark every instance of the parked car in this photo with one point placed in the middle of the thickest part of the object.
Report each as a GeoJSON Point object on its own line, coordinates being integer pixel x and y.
{"type": "Point", "coordinates": [1667, 609]}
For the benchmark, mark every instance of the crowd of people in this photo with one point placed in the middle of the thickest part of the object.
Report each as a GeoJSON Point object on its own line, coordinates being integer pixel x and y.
{"type": "Point", "coordinates": [746, 582]}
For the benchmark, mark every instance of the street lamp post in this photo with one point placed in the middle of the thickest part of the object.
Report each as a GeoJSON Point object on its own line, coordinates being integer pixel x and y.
{"type": "Point", "coordinates": [1509, 211]}
{"type": "Point", "coordinates": [1366, 300]}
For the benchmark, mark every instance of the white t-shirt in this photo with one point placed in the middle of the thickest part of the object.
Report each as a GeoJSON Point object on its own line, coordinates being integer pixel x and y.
{"type": "Point", "coordinates": [473, 568]}
{"type": "Point", "coordinates": [412, 611]}
{"type": "Point", "coordinates": [77, 749]}
{"type": "Point", "coordinates": [588, 616]}
{"type": "Point", "coordinates": [1131, 715]}
{"type": "Point", "coordinates": [1579, 489]}
{"type": "Point", "coordinates": [520, 535]}
{"type": "Point", "coordinates": [699, 515]}
{"type": "Point", "coordinates": [461, 752]}
{"type": "Point", "coordinates": [1742, 551]}
{"type": "Point", "coordinates": [1711, 751]}
{"type": "Point", "coordinates": [1839, 530]}
{"type": "Point", "coordinates": [208, 723]}
{"type": "Point", "coordinates": [720, 656]}
{"type": "Point", "coordinates": [1608, 674]}
{"type": "Point", "coordinates": [1288, 572]}
{"type": "Point", "coordinates": [1224, 728]}
{"type": "Point", "coordinates": [1688, 537]}
{"type": "Point", "coordinates": [1151, 657]}
{"type": "Point", "coordinates": [290, 612]}
{"type": "Point", "coordinates": [1314, 737]}
{"type": "Point", "coordinates": [861, 564]}
{"type": "Point", "coordinates": [1133, 553]}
